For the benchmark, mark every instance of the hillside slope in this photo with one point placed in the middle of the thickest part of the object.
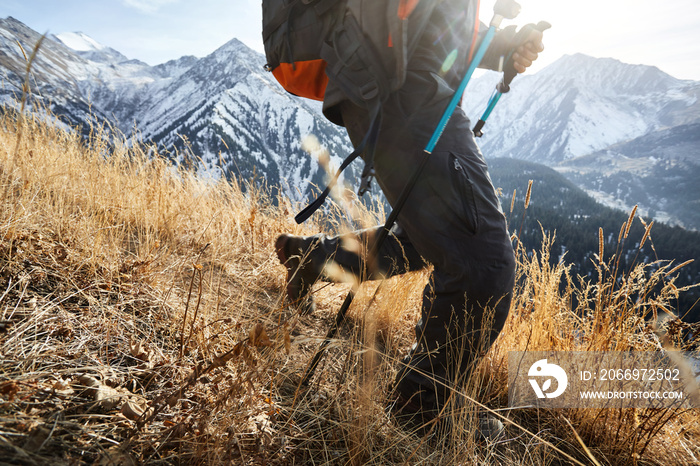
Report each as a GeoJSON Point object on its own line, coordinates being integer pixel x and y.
{"type": "Point", "coordinates": [557, 206]}
{"type": "Point", "coordinates": [658, 171]}
{"type": "Point", "coordinates": [144, 322]}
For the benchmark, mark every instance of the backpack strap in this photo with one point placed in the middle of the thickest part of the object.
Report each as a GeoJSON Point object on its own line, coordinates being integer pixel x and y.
{"type": "Point", "coordinates": [369, 141]}
{"type": "Point", "coordinates": [355, 65]}
{"type": "Point", "coordinates": [357, 68]}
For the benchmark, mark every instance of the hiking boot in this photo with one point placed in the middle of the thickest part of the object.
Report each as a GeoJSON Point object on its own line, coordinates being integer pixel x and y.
{"type": "Point", "coordinates": [490, 427]}
{"type": "Point", "coordinates": [413, 416]}
{"type": "Point", "coordinates": [423, 418]}
{"type": "Point", "coordinates": [300, 277]}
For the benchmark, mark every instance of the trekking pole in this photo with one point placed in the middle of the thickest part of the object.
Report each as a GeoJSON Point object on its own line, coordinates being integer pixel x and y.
{"type": "Point", "coordinates": [504, 9]}
{"type": "Point", "coordinates": [503, 86]}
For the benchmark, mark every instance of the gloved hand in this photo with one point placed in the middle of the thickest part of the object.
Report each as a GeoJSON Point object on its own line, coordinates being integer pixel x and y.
{"type": "Point", "coordinates": [517, 49]}
{"type": "Point", "coordinates": [525, 46]}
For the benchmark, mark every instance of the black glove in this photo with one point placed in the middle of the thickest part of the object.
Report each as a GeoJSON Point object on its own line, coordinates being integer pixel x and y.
{"type": "Point", "coordinates": [524, 35]}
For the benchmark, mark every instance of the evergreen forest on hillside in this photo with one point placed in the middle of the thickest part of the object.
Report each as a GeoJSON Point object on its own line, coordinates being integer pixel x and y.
{"type": "Point", "coordinates": [558, 206]}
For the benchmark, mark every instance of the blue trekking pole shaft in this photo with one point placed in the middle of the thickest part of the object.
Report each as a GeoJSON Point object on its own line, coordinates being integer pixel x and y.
{"type": "Point", "coordinates": [492, 104]}
{"type": "Point", "coordinates": [460, 90]}
{"type": "Point", "coordinates": [495, 97]}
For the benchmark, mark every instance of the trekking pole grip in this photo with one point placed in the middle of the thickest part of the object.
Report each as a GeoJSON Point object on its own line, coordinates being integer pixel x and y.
{"type": "Point", "coordinates": [510, 73]}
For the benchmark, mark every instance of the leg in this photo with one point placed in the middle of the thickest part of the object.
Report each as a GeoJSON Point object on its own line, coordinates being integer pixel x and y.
{"type": "Point", "coordinates": [307, 257]}
{"type": "Point", "coordinates": [454, 220]}
{"type": "Point", "coordinates": [455, 329]}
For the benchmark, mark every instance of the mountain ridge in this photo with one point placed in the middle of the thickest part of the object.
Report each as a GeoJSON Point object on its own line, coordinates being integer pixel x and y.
{"type": "Point", "coordinates": [225, 111]}
{"type": "Point", "coordinates": [572, 111]}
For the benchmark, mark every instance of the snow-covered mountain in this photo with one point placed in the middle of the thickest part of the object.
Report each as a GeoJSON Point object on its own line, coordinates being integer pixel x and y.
{"type": "Point", "coordinates": [579, 105]}
{"type": "Point", "coordinates": [230, 109]}
{"type": "Point", "coordinates": [89, 48]}
{"type": "Point", "coordinates": [226, 112]}
{"type": "Point", "coordinates": [627, 134]}
{"type": "Point", "coordinates": [56, 72]}
{"type": "Point", "coordinates": [223, 110]}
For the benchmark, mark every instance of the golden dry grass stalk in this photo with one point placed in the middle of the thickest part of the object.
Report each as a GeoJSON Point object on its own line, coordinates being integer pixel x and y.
{"type": "Point", "coordinates": [529, 193]}
{"type": "Point", "coordinates": [628, 225]}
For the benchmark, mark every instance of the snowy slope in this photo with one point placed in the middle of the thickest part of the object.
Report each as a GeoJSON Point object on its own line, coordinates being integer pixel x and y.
{"type": "Point", "coordinates": [659, 172]}
{"type": "Point", "coordinates": [237, 118]}
{"type": "Point", "coordinates": [226, 115]}
{"type": "Point", "coordinates": [89, 48]}
{"type": "Point", "coordinates": [56, 73]}
{"type": "Point", "coordinates": [579, 105]}
{"type": "Point", "coordinates": [223, 108]}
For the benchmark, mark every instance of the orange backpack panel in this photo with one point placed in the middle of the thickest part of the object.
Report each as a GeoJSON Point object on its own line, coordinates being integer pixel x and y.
{"type": "Point", "coordinates": [303, 78]}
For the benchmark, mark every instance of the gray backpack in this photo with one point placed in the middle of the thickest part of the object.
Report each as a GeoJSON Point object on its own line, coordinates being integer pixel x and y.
{"type": "Point", "coordinates": [363, 45]}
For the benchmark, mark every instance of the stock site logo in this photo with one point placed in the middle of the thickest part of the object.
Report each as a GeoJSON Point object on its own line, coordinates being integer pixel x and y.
{"type": "Point", "coordinates": [547, 372]}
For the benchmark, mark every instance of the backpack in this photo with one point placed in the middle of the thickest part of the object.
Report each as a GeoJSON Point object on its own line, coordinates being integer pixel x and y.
{"type": "Point", "coordinates": [293, 33]}
{"type": "Point", "coordinates": [363, 45]}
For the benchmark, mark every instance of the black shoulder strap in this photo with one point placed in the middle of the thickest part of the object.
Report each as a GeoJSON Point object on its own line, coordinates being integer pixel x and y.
{"type": "Point", "coordinates": [368, 142]}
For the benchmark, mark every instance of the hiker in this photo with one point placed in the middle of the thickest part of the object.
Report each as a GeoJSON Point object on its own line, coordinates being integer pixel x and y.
{"type": "Point", "coordinates": [452, 219]}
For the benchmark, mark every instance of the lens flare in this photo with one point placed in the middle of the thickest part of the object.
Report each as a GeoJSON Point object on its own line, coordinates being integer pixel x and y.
{"type": "Point", "coordinates": [449, 61]}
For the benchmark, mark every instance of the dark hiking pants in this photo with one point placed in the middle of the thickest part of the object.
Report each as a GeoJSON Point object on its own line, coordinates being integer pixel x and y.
{"type": "Point", "coordinates": [453, 220]}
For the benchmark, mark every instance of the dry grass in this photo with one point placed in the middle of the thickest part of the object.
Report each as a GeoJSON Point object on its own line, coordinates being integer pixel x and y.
{"type": "Point", "coordinates": [143, 321]}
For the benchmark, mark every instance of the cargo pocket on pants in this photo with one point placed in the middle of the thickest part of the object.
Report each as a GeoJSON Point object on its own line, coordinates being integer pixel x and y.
{"type": "Point", "coordinates": [465, 188]}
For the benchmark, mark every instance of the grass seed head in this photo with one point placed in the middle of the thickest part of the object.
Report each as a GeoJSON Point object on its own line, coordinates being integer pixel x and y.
{"type": "Point", "coordinates": [629, 221]}
{"type": "Point", "coordinates": [529, 193]}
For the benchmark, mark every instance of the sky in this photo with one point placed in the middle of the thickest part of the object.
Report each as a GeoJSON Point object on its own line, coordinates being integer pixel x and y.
{"type": "Point", "coordinates": [665, 34]}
